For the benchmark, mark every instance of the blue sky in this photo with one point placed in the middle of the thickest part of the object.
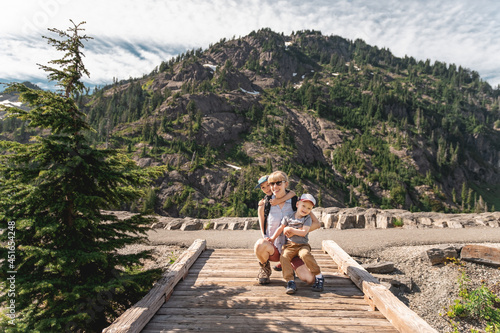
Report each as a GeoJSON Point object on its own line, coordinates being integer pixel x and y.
{"type": "Point", "coordinates": [131, 38]}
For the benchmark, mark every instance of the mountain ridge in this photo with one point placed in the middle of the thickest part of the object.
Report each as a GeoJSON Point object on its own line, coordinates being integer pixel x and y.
{"type": "Point", "coordinates": [350, 123]}
{"type": "Point", "coordinates": [225, 89]}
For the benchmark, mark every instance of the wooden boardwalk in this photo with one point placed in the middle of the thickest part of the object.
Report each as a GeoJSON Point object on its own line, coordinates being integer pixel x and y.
{"type": "Point", "coordinates": [217, 291]}
{"type": "Point", "coordinates": [221, 294]}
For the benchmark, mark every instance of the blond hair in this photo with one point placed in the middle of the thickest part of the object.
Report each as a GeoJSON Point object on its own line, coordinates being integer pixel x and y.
{"type": "Point", "coordinates": [277, 176]}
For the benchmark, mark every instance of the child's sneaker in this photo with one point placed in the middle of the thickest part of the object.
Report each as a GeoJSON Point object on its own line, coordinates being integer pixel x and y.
{"type": "Point", "coordinates": [277, 268]}
{"type": "Point", "coordinates": [318, 285]}
{"type": "Point", "coordinates": [291, 288]}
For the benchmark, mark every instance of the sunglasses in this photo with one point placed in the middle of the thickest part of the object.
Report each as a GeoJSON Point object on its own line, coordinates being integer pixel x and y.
{"type": "Point", "coordinates": [276, 183]}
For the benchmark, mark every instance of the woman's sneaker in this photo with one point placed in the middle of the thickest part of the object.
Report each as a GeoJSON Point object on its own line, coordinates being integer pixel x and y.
{"type": "Point", "coordinates": [291, 288]}
{"type": "Point", "coordinates": [318, 285]}
{"type": "Point", "coordinates": [264, 273]}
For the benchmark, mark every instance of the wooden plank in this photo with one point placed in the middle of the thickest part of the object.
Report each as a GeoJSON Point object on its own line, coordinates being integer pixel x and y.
{"type": "Point", "coordinates": [404, 319]}
{"type": "Point", "coordinates": [135, 318]}
{"type": "Point", "coordinates": [268, 327]}
{"type": "Point", "coordinates": [481, 254]}
{"type": "Point", "coordinates": [271, 312]}
{"type": "Point", "coordinates": [245, 318]}
{"type": "Point", "coordinates": [194, 282]}
{"type": "Point", "coordinates": [257, 289]}
{"type": "Point", "coordinates": [270, 303]}
{"type": "Point", "coordinates": [282, 324]}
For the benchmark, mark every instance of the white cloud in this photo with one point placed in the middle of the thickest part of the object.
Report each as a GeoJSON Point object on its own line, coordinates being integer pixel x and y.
{"type": "Point", "coordinates": [133, 37]}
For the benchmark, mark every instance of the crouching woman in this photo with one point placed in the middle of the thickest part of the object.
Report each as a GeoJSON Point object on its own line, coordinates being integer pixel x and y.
{"type": "Point", "coordinates": [267, 251]}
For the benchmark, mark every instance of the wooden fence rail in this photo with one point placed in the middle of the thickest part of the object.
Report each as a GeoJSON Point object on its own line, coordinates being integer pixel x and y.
{"type": "Point", "coordinates": [404, 319]}
{"type": "Point", "coordinates": [134, 319]}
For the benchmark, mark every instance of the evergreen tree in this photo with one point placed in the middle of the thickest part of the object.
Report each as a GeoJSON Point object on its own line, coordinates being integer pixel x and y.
{"type": "Point", "coordinates": [69, 275]}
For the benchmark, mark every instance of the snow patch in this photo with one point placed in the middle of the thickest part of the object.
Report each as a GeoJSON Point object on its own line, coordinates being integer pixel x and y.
{"type": "Point", "coordinates": [250, 92]}
{"type": "Point", "coordinates": [9, 103]}
{"type": "Point", "coordinates": [212, 67]}
{"type": "Point", "coordinates": [233, 166]}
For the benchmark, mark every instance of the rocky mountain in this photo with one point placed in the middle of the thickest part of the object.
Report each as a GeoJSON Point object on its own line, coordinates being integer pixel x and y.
{"type": "Point", "coordinates": [350, 123]}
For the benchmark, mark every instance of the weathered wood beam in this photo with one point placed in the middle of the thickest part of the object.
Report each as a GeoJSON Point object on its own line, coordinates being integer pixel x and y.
{"type": "Point", "coordinates": [134, 319]}
{"type": "Point", "coordinates": [481, 254]}
{"type": "Point", "coordinates": [378, 296]}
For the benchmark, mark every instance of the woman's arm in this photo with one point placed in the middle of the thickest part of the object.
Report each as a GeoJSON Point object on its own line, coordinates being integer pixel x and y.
{"type": "Point", "coordinates": [287, 196]}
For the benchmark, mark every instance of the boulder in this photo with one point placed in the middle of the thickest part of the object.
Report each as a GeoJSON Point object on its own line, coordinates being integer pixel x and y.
{"type": "Point", "coordinates": [424, 221]}
{"type": "Point", "coordinates": [380, 267]}
{"type": "Point", "coordinates": [346, 222]}
{"type": "Point", "coordinates": [371, 219]}
{"type": "Point", "coordinates": [384, 221]}
{"type": "Point", "coordinates": [220, 225]}
{"type": "Point", "coordinates": [174, 224]}
{"type": "Point", "coordinates": [440, 255]}
{"type": "Point", "coordinates": [192, 225]}
{"type": "Point", "coordinates": [329, 217]}
{"type": "Point", "coordinates": [240, 225]}
{"type": "Point", "coordinates": [396, 284]}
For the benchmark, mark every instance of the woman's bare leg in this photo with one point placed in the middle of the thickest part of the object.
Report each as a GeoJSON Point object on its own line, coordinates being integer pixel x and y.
{"type": "Point", "coordinates": [305, 274]}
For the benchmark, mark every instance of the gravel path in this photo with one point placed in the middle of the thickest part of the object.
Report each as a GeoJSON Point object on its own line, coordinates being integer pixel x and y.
{"type": "Point", "coordinates": [356, 242]}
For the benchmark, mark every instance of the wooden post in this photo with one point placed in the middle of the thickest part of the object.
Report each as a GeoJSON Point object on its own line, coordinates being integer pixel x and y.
{"type": "Point", "coordinates": [134, 319]}
{"type": "Point", "coordinates": [403, 319]}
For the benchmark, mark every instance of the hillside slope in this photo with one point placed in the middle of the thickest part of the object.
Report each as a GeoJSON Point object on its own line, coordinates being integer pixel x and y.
{"type": "Point", "coordinates": [350, 123]}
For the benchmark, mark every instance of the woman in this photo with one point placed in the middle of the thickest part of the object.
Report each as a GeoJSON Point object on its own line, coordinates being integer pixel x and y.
{"type": "Point", "coordinates": [267, 251]}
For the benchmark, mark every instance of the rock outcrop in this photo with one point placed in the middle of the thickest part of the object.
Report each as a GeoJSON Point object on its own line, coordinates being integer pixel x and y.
{"type": "Point", "coordinates": [345, 218]}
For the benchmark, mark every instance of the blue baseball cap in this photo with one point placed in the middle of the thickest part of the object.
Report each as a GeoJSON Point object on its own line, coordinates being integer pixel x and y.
{"type": "Point", "coordinates": [261, 180]}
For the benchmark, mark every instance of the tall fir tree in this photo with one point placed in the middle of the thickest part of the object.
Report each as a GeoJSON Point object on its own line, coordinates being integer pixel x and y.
{"type": "Point", "coordinates": [62, 247]}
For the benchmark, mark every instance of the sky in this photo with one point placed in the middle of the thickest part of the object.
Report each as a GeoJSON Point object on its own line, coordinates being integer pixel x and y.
{"type": "Point", "coordinates": [131, 38]}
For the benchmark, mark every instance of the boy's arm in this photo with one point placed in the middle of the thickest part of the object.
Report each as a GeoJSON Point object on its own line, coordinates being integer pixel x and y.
{"type": "Point", "coordinates": [287, 196]}
{"type": "Point", "coordinates": [260, 213]}
{"type": "Point", "coordinates": [315, 222]}
{"type": "Point", "coordinates": [302, 232]}
{"type": "Point", "coordinates": [277, 233]}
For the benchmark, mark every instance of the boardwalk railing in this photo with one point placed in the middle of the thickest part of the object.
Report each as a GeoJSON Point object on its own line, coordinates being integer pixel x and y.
{"type": "Point", "coordinates": [377, 295]}
{"type": "Point", "coordinates": [134, 319]}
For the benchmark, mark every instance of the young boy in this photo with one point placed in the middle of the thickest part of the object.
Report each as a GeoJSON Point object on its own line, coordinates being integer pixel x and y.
{"type": "Point", "coordinates": [297, 244]}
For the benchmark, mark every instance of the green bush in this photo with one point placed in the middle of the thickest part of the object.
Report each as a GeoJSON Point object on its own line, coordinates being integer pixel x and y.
{"type": "Point", "coordinates": [480, 304]}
